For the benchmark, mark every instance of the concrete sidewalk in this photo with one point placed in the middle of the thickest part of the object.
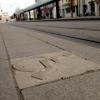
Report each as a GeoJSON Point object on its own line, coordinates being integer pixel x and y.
{"type": "Point", "coordinates": [23, 44]}
{"type": "Point", "coordinates": [7, 85]}
{"type": "Point", "coordinates": [86, 18]}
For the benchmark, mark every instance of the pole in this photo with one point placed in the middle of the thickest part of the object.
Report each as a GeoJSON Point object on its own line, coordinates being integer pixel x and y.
{"type": "Point", "coordinates": [57, 9]}
{"type": "Point", "coordinates": [23, 17]}
{"type": "Point", "coordinates": [78, 2]}
{"type": "Point", "coordinates": [71, 7]}
{"type": "Point", "coordinates": [29, 15]}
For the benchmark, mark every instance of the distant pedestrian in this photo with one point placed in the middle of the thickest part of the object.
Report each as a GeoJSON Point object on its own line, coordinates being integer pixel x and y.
{"type": "Point", "coordinates": [88, 12]}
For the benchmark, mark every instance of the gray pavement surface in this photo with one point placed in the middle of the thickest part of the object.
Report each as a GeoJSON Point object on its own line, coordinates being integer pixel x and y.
{"type": "Point", "coordinates": [50, 67]}
{"type": "Point", "coordinates": [85, 87]}
{"type": "Point", "coordinates": [7, 85]}
{"type": "Point", "coordinates": [21, 42]}
{"type": "Point", "coordinates": [3, 54]}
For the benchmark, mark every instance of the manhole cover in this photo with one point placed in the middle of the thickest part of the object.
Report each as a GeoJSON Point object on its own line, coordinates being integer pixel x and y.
{"type": "Point", "coordinates": [31, 71]}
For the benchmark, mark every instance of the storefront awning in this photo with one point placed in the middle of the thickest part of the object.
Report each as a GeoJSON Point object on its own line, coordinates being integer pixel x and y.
{"type": "Point", "coordinates": [38, 4]}
{"type": "Point", "coordinates": [66, 5]}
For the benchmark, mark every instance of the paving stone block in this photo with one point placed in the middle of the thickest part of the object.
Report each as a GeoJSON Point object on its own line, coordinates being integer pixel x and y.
{"type": "Point", "coordinates": [41, 70]}
{"type": "Point", "coordinates": [84, 87]}
{"type": "Point", "coordinates": [7, 87]}
{"type": "Point", "coordinates": [2, 51]}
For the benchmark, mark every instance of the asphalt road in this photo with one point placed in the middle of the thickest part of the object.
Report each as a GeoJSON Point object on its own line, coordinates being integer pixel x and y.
{"type": "Point", "coordinates": [76, 46]}
{"type": "Point", "coordinates": [88, 30]}
{"type": "Point", "coordinates": [22, 40]}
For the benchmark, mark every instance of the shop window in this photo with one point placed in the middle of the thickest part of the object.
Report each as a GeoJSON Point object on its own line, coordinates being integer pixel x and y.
{"type": "Point", "coordinates": [92, 5]}
{"type": "Point", "coordinates": [68, 10]}
{"type": "Point", "coordinates": [73, 9]}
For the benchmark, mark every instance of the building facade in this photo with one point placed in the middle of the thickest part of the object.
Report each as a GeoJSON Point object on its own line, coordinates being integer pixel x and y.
{"type": "Point", "coordinates": [98, 7]}
{"type": "Point", "coordinates": [46, 12]}
{"type": "Point", "coordinates": [62, 9]}
{"type": "Point", "coordinates": [88, 8]}
{"type": "Point", "coordinates": [4, 16]}
{"type": "Point", "coordinates": [74, 8]}
{"type": "Point", "coordinates": [69, 8]}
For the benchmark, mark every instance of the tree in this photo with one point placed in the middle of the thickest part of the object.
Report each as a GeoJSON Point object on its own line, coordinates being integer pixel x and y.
{"type": "Point", "coordinates": [17, 10]}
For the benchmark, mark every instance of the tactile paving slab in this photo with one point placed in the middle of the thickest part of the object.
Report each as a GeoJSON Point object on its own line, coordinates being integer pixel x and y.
{"type": "Point", "coordinates": [30, 71]}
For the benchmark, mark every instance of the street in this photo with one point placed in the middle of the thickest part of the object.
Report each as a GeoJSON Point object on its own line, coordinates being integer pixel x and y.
{"type": "Point", "coordinates": [23, 43]}
{"type": "Point", "coordinates": [88, 30]}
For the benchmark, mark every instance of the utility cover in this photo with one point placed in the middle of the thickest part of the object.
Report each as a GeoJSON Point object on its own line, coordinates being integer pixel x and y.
{"type": "Point", "coordinates": [30, 71]}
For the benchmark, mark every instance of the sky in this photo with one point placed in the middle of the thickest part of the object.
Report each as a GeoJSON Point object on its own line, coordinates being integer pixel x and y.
{"type": "Point", "coordinates": [11, 5]}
